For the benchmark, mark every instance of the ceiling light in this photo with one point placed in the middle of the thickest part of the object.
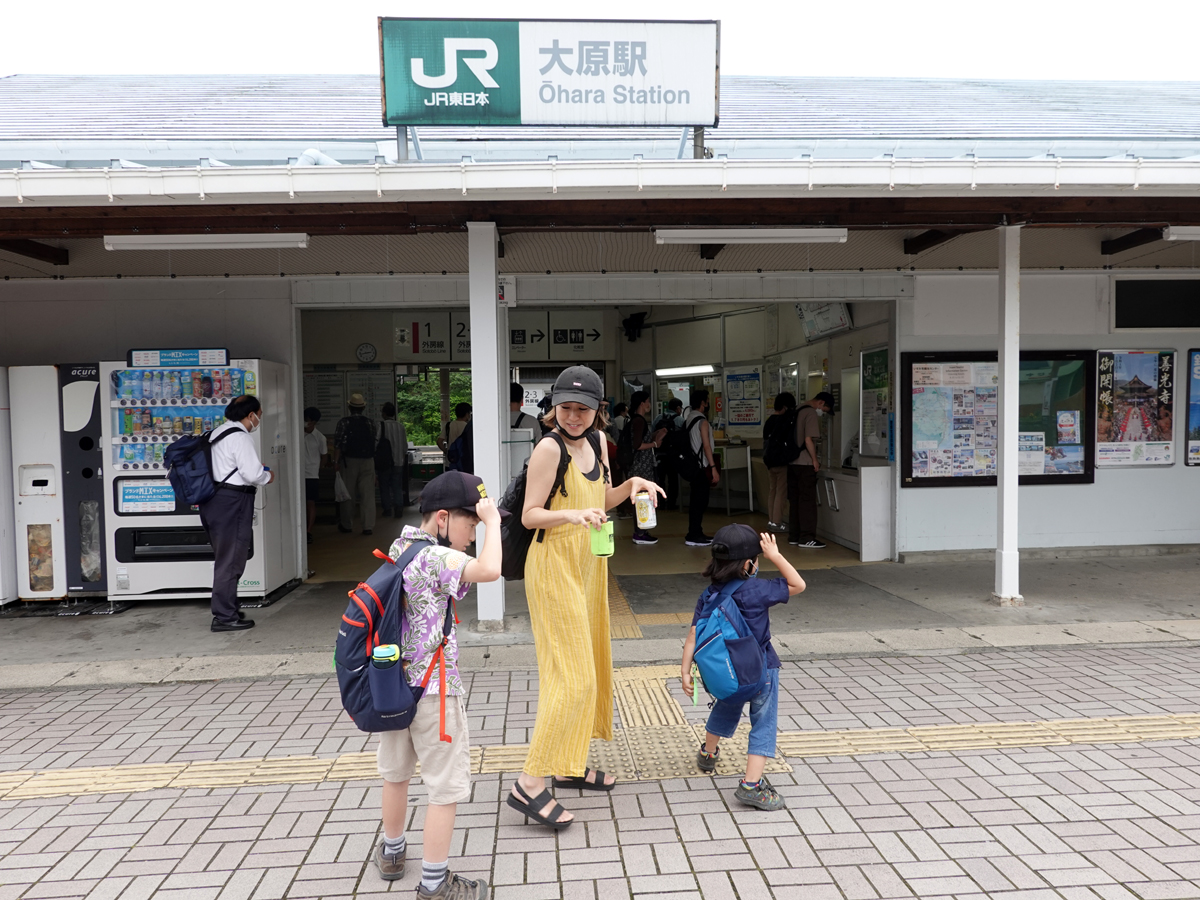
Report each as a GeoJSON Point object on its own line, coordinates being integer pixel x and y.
{"type": "Point", "coordinates": [685, 370]}
{"type": "Point", "coordinates": [205, 241]}
{"type": "Point", "coordinates": [1181, 233]}
{"type": "Point", "coordinates": [750, 235]}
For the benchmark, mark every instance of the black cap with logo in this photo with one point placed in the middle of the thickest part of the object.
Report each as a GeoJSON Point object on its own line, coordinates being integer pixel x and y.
{"type": "Point", "coordinates": [578, 384]}
{"type": "Point", "coordinates": [736, 541]}
{"type": "Point", "coordinates": [454, 490]}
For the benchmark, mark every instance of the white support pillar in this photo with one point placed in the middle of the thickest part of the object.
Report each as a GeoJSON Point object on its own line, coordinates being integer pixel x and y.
{"type": "Point", "coordinates": [1008, 587]}
{"type": "Point", "coordinates": [489, 377]}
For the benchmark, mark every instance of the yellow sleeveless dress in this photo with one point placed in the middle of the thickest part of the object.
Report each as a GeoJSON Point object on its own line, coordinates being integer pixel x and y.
{"type": "Point", "coordinates": [567, 588]}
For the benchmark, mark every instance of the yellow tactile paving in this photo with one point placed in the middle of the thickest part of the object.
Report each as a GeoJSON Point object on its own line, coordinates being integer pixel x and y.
{"type": "Point", "coordinates": [621, 621]}
{"type": "Point", "coordinates": [655, 742]}
{"type": "Point", "coordinates": [664, 618]}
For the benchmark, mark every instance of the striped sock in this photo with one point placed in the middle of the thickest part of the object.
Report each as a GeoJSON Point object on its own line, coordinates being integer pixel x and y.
{"type": "Point", "coordinates": [395, 846]}
{"type": "Point", "coordinates": [433, 874]}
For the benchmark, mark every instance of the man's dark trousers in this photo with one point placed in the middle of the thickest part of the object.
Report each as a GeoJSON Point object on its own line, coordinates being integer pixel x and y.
{"type": "Point", "coordinates": [228, 518]}
{"type": "Point", "coordinates": [802, 503]}
{"type": "Point", "coordinates": [701, 486]}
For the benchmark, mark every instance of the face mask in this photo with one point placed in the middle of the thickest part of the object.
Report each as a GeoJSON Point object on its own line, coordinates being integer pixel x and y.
{"type": "Point", "coordinates": [753, 573]}
{"type": "Point", "coordinates": [820, 412]}
{"type": "Point", "coordinates": [444, 540]}
{"type": "Point", "coordinates": [257, 422]}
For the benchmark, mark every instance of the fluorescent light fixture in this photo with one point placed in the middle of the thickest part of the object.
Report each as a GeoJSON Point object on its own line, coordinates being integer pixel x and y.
{"type": "Point", "coordinates": [1181, 233]}
{"type": "Point", "coordinates": [750, 235]}
{"type": "Point", "coordinates": [685, 370]}
{"type": "Point", "coordinates": [205, 241]}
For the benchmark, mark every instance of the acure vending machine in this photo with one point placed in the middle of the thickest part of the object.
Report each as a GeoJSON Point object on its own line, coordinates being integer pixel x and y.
{"type": "Point", "coordinates": [156, 547]}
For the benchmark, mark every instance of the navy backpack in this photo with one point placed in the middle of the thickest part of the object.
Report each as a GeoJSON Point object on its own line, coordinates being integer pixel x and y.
{"type": "Point", "coordinates": [381, 699]}
{"type": "Point", "coordinates": [731, 661]}
{"type": "Point", "coordinates": [189, 467]}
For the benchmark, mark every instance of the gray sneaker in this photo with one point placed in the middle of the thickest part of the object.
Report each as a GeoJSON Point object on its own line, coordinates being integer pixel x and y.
{"type": "Point", "coordinates": [391, 868]}
{"type": "Point", "coordinates": [706, 763]}
{"type": "Point", "coordinates": [455, 887]}
{"type": "Point", "coordinates": [764, 796]}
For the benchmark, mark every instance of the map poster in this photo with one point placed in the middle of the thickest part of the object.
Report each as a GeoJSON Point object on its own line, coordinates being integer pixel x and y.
{"type": "Point", "coordinates": [954, 420]}
{"type": "Point", "coordinates": [1193, 414]}
{"type": "Point", "coordinates": [1135, 402]}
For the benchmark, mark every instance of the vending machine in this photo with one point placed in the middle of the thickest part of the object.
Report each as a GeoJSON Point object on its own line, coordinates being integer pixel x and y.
{"type": "Point", "coordinates": [8, 537]}
{"type": "Point", "coordinates": [156, 547]}
{"type": "Point", "coordinates": [57, 481]}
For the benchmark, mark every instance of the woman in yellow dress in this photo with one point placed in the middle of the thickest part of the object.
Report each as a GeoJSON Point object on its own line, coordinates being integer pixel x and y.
{"type": "Point", "coordinates": [567, 587]}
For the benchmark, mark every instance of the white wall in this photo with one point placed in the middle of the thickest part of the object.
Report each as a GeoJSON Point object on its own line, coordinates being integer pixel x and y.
{"type": "Point", "coordinates": [1058, 312]}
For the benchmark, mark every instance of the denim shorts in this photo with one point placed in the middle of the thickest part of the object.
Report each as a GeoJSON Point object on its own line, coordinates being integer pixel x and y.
{"type": "Point", "coordinates": [764, 717]}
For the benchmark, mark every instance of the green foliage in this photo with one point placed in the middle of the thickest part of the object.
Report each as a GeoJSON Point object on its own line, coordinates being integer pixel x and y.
{"type": "Point", "coordinates": [419, 405]}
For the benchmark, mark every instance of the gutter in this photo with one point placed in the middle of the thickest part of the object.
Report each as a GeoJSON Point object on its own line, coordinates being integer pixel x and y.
{"type": "Point", "coordinates": [601, 179]}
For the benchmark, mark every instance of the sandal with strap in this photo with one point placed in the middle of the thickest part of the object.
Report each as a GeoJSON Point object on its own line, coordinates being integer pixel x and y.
{"type": "Point", "coordinates": [531, 808]}
{"type": "Point", "coordinates": [581, 782]}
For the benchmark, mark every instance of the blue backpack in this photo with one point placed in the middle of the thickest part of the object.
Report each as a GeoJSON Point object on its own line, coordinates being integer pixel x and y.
{"type": "Point", "coordinates": [189, 467]}
{"type": "Point", "coordinates": [731, 661]}
{"type": "Point", "coordinates": [381, 699]}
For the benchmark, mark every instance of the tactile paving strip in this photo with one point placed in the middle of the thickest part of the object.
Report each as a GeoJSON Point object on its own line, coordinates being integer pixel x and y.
{"type": "Point", "coordinates": [646, 702]}
{"type": "Point", "coordinates": [732, 760]}
{"type": "Point", "coordinates": [621, 621]}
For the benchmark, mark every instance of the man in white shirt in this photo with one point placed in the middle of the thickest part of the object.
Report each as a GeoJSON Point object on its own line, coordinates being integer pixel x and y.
{"type": "Point", "coordinates": [517, 417]}
{"type": "Point", "coordinates": [229, 514]}
{"type": "Point", "coordinates": [316, 455]}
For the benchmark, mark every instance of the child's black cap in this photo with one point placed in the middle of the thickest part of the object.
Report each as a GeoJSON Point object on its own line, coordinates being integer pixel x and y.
{"type": "Point", "coordinates": [454, 490]}
{"type": "Point", "coordinates": [736, 542]}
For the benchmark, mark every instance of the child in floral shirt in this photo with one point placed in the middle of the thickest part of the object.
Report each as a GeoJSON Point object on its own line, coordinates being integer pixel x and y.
{"type": "Point", "coordinates": [452, 505]}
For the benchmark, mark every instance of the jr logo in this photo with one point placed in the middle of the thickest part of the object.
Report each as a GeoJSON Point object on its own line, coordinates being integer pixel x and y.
{"type": "Point", "coordinates": [481, 66]}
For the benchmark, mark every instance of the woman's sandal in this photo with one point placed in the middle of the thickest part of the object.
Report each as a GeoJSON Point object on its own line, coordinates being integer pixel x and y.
{"type": "Point", "coordinates": [531, 808]}
{"type": "Point", "coordinates": [580, 782]}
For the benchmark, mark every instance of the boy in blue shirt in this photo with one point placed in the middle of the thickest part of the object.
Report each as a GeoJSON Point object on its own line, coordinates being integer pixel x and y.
{"type": "Point", "coordinates": [735, 550]}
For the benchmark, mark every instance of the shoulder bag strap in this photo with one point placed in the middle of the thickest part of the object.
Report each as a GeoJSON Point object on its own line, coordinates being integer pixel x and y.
{"type": "Point", "coordinates": [395, 616]}
{"type": "Point", "coordinates": [213, 441]}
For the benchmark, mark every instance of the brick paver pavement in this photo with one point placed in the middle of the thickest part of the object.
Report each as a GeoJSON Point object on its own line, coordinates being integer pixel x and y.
{"type": "Point", "coordinates": [1078, 821]}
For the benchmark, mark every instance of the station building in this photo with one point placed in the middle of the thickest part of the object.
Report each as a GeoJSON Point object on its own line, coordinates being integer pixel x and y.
{"type": "Point", "coordinates": [1002, 240]}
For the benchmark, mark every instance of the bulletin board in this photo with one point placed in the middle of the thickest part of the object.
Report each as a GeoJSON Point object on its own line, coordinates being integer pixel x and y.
{"type": "Point", "coordinates": [950, 427]}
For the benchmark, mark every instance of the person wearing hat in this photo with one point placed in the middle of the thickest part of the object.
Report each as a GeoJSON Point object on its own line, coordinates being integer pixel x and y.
{"type": "Point", "coordinates": [452, 505]}
{"type": "Point", "coordinates": [735, 550]}
{"type": "Point", "coordinates": [354, 449]}
{"type": "Point", "coordinates": [802, 474]}
{"type": "Point", "coordinates": [567, 589]}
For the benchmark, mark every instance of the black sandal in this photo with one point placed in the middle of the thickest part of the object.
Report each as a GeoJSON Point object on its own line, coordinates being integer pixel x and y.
{"type": "Point", "coordinates": [581, 782]}
{"type": "Point", "coordinates": [532, 806]}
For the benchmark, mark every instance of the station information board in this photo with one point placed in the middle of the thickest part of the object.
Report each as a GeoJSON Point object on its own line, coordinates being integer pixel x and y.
{"type": "Point", "coordinates": [950, 427]}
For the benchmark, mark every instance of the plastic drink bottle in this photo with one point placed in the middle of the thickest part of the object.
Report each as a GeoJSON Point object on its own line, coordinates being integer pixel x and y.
{"type": "Point", "coordinates": [147, 384]}
{"type": "Point", "coordinates": [185, 384]}
{"type": "Point", "coordinates": [385, 656]}
{"type": "Point", "coordinates": [133, 382]}
{"type": "Point", "coordinates": [236, 375]}
{"type": "Point", "coordinates": [197, 383]}
{"type": "Point", "coordinates": [147, 425]}
{"type": "Point", "coordinates": [127, 421]}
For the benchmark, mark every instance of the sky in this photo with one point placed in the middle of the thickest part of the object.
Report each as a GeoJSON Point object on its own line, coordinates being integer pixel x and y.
{"type": "Point", "coordinates": [1034, 39]}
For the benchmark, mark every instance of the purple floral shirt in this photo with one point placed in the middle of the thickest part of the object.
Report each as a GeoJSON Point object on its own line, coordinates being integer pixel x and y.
{"type": "Point", "coordinates": [430, 581]}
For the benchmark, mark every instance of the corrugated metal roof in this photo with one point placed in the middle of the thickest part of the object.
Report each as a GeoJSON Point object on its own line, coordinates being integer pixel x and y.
{"type": "Point", "coordinates": [347, 107]}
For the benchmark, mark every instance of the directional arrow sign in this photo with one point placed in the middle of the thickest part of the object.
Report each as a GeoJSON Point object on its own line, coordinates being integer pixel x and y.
{"type": "Point", "coordinates": [527, 330]}
{"type": "Point", "coordinates": [577, 336]}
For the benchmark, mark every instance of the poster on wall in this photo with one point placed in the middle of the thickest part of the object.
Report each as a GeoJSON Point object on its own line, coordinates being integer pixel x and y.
{"type": "Point", "coordinates": [743, 398]}
{"type": "Point", "coordinates": [327, 392]}
{"type": "Point", "coordinates": [1135, 401]}
{"type": "Point", "coordinates": [874, 403]}
{"type": "Point", "coordinates": [950, 434]}
{"type": "Point", "coordinates": [1193, 410]}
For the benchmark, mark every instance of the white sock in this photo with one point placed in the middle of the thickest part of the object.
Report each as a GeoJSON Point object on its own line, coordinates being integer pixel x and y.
{"type": "Point", "coordinates": [395, 846]}
{"type": "Point", "coordinates": [433, 874]}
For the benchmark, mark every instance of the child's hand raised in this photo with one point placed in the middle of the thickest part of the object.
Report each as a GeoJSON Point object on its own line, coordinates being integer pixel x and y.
{"type": "Point", "coordinates": [770, 549]}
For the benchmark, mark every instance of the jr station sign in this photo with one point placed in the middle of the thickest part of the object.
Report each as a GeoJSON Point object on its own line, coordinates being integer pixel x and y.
{"type": "Point", "coordinates": [549, 72]}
